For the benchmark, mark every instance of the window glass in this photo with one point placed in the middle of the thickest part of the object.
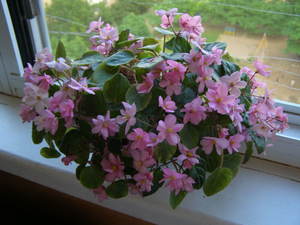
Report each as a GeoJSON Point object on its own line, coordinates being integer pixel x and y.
{"type": "Point", "coordinates": [265, 29]}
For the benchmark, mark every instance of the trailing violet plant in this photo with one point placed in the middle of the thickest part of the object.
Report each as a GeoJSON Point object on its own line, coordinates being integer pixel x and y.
{"type": "Point", "coordinates": [138, 113]}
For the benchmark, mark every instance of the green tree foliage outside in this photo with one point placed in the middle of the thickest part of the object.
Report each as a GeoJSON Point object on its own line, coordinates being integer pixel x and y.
{"type": "Point", "coordinates": [68, 20]}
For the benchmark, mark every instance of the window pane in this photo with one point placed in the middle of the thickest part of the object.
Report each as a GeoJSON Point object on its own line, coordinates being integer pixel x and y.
{"type": "Point", "coordinates": [265, 29]}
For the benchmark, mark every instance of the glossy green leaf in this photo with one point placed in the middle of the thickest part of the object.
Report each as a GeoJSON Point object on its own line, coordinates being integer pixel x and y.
{"type": "Point", "coordinates": [232, 162]}
{"type": "Point", "coordinates": [60, 50]}
{"type": "Point", "coordinates": [249, 151]}
{"type": "Point", "coordinates": [73, 143]}
{"type": "Point", "coordinates": [148, 63]}
{"type": "Point", "coordinates": [123, 36]}
{"type": "Point", "coordinates": [141, 100]}
{"type": "Point", "coordinates": [164, 151]}
{"type": "Point", "coordinates": [175, 200]}
{"type": "Point", "coordinates": [120, 58]}
{"type": "Point", "coordinates": [219, 45]}
{"type": "Point", "coordinates": [217, 181]}
{"type": "Point", "coordinates": [259, 142]}
{"type": "Point", "coordinates": [118, 189]}
{"type": "Point", "coordinates": [115, 89]}
{"type": "Point", "coordinates": [37, 136]}
{"type": "Point", "coordinates": [198, 173]}
{"type": "Point", "coordinates": [49, 153]}
{"type": "Point", "coordinates": [173, 56]}
{"type": "Point", "coordinates": [89, 58]}
{"type": "Point", "coordinates": [127, 43]}
{"type": "Point", "coordinates": [103, 73]}
{"type": "Point", "coordinates": [190, 135]}
{"type": "Point", "coordinates": [163, 31]}
{"type": "Point", "coordinates": [91, 177]}
{"type": "Point", "coordinates": [178, 44]}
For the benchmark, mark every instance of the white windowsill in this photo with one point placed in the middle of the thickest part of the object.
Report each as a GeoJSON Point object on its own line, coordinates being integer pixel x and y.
{"type": "Point", "coordinates": [253, 198]}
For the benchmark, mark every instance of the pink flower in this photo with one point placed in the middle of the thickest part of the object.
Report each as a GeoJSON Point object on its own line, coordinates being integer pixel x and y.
{"type": "Point", "coordinates": [168, 129]}
{"type": "Point", "coordinates": [35, 97]}
{"type": "Point", "coordinates": [235, 114]}
{"type": "Point", "coordinates": [247, 71]}
{"type": "Point", "coordinates": [154, 139]}
{"type": "Point", "coordinates": [45, 81]}
{"type": "Point", "coordinates": [27, 113]}
{"type": "Point", "coordinates": [140, 139]}
{"type": "Point", "coordinates": [58, 65]}
{"type": "Point", "coordinates": [223, 132]}
{"type": "Point", "coordinates": [191, 24]}
{"type": "Point", "coordinates": [105, 126]}
{"type": "Point", "coordinates": [113, 166]}
{"type": "Point", "coordinates": [173, 77]}
{"type": "Point", "coordinates": [194, 111]}
{"type": "Point", "coordinates": [41, 58]}
{"type": "Point", "coordinates": [235, 143]}
{"type": "Point", "coordinates": [234, 83]}
{"type": "Point", "coordinates": [142, 160]}
{"type": "Point", "coordinates": [144, 181]}
{"type": "Point", "coordinates": [100, 193]}
{"type": "Point", "coordinates": [193, 60]}
{"type": "Point", "coordinates": [95, 26]}
{"type": "Point", "coordinates": [66, 110]}
{"type": "Point", "coordinates": [262, 69]}
{"type": "Point", "coordinates": [167, 104]}
{"type": "Point", "coordinates": [46, 121]}
{"type": "Point", "coordinates": [68, 159]}
{"type": "Point", "coordinates": [204, 80]}
{"type": "Point", "coordinates": [146, 85]}
{"type": "Point", "coordinates": [217, 53]}
{"type": "Point", "coordinates": [167, 17]}
{"type": "Point", "coordinates": [177, 181]}
{"type": "Point", "coordinates": [128, 115]}
{"type": "Point", "coordinates": [81, 86]}
{"type": "Point", "coordinates": [188, 157]}
{"type": "Point", "coordinates": [219, 99]}
{"type": "Point", "coordinates": [208, 143]}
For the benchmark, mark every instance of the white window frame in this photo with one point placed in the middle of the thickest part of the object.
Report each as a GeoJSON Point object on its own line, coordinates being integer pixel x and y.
{"type": "Point", "coordinates": [286, 146]}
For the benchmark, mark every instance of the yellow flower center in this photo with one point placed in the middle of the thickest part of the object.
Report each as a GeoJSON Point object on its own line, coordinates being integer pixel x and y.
{"type": "Point", "coordinates": [189, 154]}
{"type": "Point", "coordinates": [170, 130]}
{"type": "Point", "coordinates": [114, 167]}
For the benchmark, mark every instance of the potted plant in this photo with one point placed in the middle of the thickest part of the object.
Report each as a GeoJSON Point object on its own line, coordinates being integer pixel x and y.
{"type": "Point", "coordinates": [139, 113]}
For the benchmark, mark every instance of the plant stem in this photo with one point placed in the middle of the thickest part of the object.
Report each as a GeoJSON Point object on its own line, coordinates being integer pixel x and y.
{"type": "Point", "coordinates": [222, 160]}
{"type": "Point", "coordinates": [164, 46]}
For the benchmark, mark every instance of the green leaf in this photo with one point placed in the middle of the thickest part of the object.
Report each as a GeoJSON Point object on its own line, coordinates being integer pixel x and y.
{"type": "Point", "coordinates": [49, 153]}
{"type": "Point", "coordinates": [219, 45]}
{"type": "Point", "coordinates": [123, 36]}
{"type": "Point", "coordinates": [93, 105]}
{"type": "Point", "coordinates": [164, 152]}
{"type": "Point", "coordinates": [198, 174]}
{"type": "Point", "coordinates": [141, 100]}
{"type": "Point", "coordinates": [163, 31]}
{"type": "Point", "coordinates": [249, 151]}
{"type": "Point", "coordinates": [232, 162]}
{"type": "Point", "coordinates": [118, 189]}
{"type": "Point", "coordinates": [37, 136]}
{"type": "Point", "coordinates": [91, 177]}
{"type": "Point", "coordinates": [213, 160]}
{"type": "Point", "coordinates": [60, 50]}
{"type": "Point", "coordinates": [229, 67]}
{"type": "Point", "coordinates": [149, 41]}
{"type": "Point", "coordinates": [187, 95]}
{"type": "Point", "coordinates": [89, 58]}
{"type": "Point", "coordinates": [103, 73]}
{"type": "Point", "coordinates": [149, 47]}
{"type": "Point", "coordinates": [157, 176]}
{"type": "Point", "coordinates": [173, 56]}
{"type": "Point", "coordinates": [259, 142]}
{"type": "Point", "coordinates": [175, 200]}
{"type": "Point", "coordinates": [73, 143]}
{"type": "Point", "coordinates": [148, 63]}
{"type": "Point", "coordinates": [115, 89]}
{"type": "Point", "coordinates": [217, 181]}
{"type": "Point", "coordinates": [120, 58]}
{"type": "Point", "coordinates": [189, 135]}
{"type": "Point", "coordinates": [178, 44]}
{"type": "Point", "coordinates": [127, 43]}
{"type": "Point", "coordinates": [78, 170]}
